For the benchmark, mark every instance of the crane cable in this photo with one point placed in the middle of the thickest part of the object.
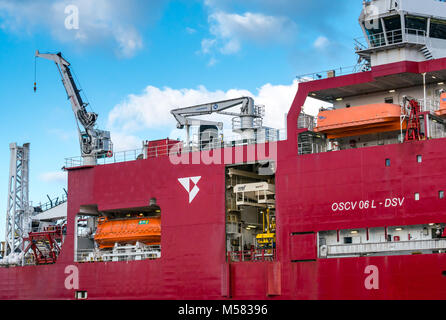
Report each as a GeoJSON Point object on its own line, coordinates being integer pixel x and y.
{"type": "Point", "coordinates": [81, 89]}
{"type": "Point", "coordinates": [35, 74]}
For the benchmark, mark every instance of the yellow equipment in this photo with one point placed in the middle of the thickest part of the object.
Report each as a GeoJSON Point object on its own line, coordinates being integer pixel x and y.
{"type": "Point", "coordinates": [267, 239]}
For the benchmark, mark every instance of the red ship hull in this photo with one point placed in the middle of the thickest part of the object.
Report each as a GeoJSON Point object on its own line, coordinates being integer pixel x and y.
{"type": "Point", "coordinates": [193, 264]}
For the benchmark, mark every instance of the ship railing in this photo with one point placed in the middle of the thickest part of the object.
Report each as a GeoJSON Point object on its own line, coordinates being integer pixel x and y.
{"type": "Point", "coordinates": [359, 44]}
{"type": "Point", "coordinates": [378, 40]}
{"type": "Point", "coordinates": [341, 71]}
{"type": "Point", "coordinates": [52, 203]}
{"type": "Point", "coordinates": [125, 253]}
{"type": "Point", "coordinates": [253, 255]}
{"type": "Point", "coordinates": [181, 147]}
{"type": "Point", "coordinates": [431, 105]}
{"type": "Point", "coordinates": [382, 247]}
{"type": "Point", "coordinates": [86, 255]}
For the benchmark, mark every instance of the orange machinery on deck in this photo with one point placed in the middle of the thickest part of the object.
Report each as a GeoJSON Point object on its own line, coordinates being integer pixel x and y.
{"type": "Point", "coordinates": [442, 111]}
{"type": "Point", "coordinates": [356, 121]}
{"type": "Point", "coordinates": [128, 231]}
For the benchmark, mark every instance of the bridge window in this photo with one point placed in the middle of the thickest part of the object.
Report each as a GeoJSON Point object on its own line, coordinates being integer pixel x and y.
{"type": "Point", "coordinates": [348, 240]}
{"type": "Point", "coordinates": [393, 29]}
{"type": "Point", "coordinates": [374, 30]}
{"type": "Point", "coordinates": [438, 29]}
{"type": "Point", "coordinates": [416, 25]}
{"type": "Point", "coordinates": [373, 27]}
{"type": "Point", "coordinates": [392, 23]}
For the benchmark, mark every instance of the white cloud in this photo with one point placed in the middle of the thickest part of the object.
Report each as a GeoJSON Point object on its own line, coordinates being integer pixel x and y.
{"type": "Point", "coordinates": [54, 177]}
{"type": "Point", "coordinates": [129, 41]}
{"type": "Point", "coordinates": [105, 23]}
{"type": "Point", "coordinates": [207, 44]}
{"type": "Point", "coordinates": [150, 110]}
{"type": "Point", "coordinates": [232, 46]}
{"type": "Point", "coordinates": [255, 26]}
{"type": "Point", "coordinates": [212, 62]}
{"type": "Point", "coordinates": [125, 142]}
{"type": "Point", "coordinates": [296, 9]}
{"type": "Point", "coordinates": [191, 30]}
{"type": "Point", "coordinates": [321, 42]}
{"type": "Point", "coordinates": [232, 29]}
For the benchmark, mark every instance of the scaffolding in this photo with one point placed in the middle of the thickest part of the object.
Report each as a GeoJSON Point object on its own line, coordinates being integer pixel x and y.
{"type": "Point", "coordinates": [18, 212]}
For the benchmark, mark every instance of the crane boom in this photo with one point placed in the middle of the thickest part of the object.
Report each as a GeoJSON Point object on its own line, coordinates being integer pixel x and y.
{"type": "Point", "coordinates": [94, 143]}
{"type": "Point", "coordinates": [182, 114]}
{"type": "Point", "coordinates": [248, 113]}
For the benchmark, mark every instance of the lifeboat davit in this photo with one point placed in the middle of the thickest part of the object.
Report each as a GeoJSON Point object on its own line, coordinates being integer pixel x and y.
{"type": "Point", "coordinates": [128, 231]}
{"type": "Point", "coordinates": [361, 120]}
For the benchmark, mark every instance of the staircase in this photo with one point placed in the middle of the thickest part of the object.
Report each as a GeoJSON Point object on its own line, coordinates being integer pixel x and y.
{"type": "Point", "coordinates": [427, 53]}
{"type": "Point", "coordinates": [43, 248]}
{"type": "Point", "coordinates": [45, 244]}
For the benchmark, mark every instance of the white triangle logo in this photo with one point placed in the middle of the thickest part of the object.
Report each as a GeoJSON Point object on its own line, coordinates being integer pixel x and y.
{"type": "Point", "coordinates": [186, 183]}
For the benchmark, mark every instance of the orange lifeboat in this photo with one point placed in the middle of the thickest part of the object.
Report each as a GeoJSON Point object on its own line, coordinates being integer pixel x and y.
{"type": "Point", "coordinates": [356, 121]}
{"type": "Point", "coordinates": [128, 231]}
{"type": "Point", "coordinates": [442, 111]}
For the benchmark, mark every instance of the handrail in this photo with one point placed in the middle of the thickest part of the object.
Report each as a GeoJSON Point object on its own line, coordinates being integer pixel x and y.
{"type": "Point", "coordinates": [359, 248]}
{"type": "Point", "coordinates": [341, 71]}
{"type": "Point", "coordinates": [179, 147]}
{"type": "Point", "coordinates": [253, 255]}
{"type": "Point", "coordinates": [53, 203]}
{"type": "Point", "coordinates": [382, 39]}
{"type": "Point", "coordinates": [376, 40]}
{"type": "Point", "coordinates": [151, 252]}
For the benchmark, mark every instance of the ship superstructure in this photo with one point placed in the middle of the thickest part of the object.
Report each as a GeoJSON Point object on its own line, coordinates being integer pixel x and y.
{"type": "Point", "coordinates": [347, 204]}
{"type": "Point", "coordinates": [402, 30]}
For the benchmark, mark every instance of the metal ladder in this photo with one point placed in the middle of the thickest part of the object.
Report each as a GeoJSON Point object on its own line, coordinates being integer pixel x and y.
{"type": "Point", "coordinates": [427, 53]}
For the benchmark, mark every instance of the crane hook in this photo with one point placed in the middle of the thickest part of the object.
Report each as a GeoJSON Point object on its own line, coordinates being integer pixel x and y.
{"type": "Point", "coordinates": [35, 74]}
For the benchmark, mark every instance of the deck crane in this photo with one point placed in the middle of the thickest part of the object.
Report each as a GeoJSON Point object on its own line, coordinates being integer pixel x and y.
{"type": "Point", "coordinates": [94, 143]}
{"type": "Point", "coordinates": [247, 119]}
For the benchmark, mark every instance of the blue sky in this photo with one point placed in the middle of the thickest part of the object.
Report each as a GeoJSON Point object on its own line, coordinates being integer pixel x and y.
{"type": "Point", "coordinates": [135, 59]}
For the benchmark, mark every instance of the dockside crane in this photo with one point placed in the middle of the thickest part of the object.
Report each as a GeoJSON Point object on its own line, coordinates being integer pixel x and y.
{"type": "Point", "coordinates": [94, 143]}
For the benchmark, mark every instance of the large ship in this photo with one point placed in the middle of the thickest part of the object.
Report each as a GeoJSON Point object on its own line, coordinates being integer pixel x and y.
{"type": "Point", "coordinates": [348, 204]}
